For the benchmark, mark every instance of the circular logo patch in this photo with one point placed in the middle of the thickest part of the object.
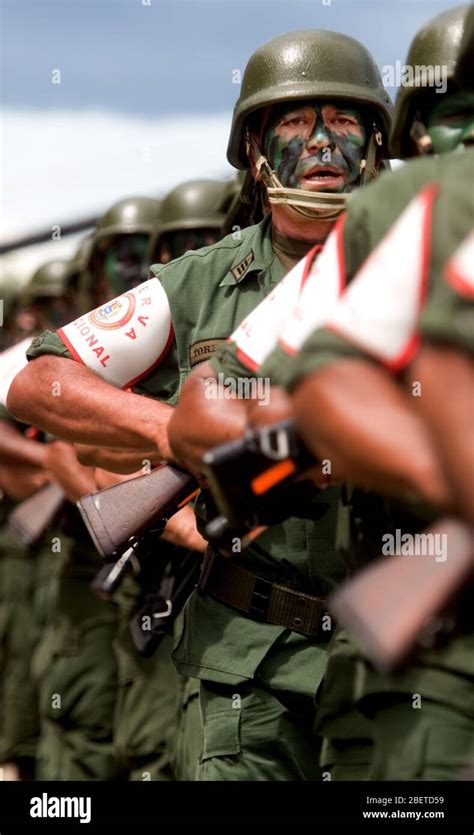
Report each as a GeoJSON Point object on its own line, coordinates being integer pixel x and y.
{"type": "Point", "coordinates": [114, 314]}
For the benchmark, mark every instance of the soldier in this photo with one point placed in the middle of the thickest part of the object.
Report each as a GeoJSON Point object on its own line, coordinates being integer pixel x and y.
{"type": "Point", "coordinates": [253, 351]}
{"type": "Point", "coordinates": [25, 570]}
{"type": "Point", "coordinates": [436, 741]}
{"type": "Point", "coordinates": [117, 259]}
{"type": "Point", "coordinates": [157, 725]}
{"type": "Point", "coordinates": [76, 676]}
{"type": "Point", "coordinates": [191, 217]}
{"type": "Point", "coordinates": [311, 123]}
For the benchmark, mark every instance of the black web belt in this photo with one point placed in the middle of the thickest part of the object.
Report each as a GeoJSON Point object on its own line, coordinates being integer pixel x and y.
{"type": "Point", "coordinates": [262, 600]}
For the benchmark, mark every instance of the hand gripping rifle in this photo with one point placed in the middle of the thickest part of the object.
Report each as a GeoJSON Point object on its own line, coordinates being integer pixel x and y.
{"type": "Point", "coordinates": [125, 521]}
{"type": "Point", "coordinates": [253, 483]}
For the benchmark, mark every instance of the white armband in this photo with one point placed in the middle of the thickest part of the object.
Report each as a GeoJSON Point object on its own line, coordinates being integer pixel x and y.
{"type": "Point", "coordinates": [322, 287]}
{"type": "Point", "coordinates": [124, 339]}
{"type": "Point", "coordinates": [380, 310]}
{"type": "Point", "coordinates": [459, 271]}
{"type": "Point", "coordinates": [258, 333]}
{"type": "Point", "coordinates": [12, 361]}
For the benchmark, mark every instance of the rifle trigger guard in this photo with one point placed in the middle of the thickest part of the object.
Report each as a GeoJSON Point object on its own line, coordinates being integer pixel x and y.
{"type": "Point", "coordinates": [169, 608]}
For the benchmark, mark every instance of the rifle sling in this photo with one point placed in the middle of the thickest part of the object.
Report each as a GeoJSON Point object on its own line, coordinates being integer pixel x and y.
{"type": "Point", "coordinates": [261, 599]}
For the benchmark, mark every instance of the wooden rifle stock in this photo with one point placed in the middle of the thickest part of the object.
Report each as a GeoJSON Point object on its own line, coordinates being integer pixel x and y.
{"type": "Point", "coordinates": [116, 514]}
{"type": "Point", "coordinates": [386, 606]}
{"type": "Point", "coordinates": [28, 522]}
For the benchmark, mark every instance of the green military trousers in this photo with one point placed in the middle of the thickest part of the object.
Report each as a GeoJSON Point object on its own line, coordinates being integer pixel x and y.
{"type": "Point", "coordinates": [76, 671]}
{"type": "Point", "coordinates": [186, 742]}
{"type": "Point", "coordinates": [423, 718]}
{"type": "Point", "coordinates": [146, 709]}
{"type": "Point", "coordinates": [347, 746]}
{"type": "Point", "coordinates": [264, 728]}
{"type": "Point", "coordinates": [19, 726]}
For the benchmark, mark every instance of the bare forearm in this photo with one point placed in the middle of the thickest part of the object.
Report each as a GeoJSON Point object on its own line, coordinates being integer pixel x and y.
{"type": "Point", "coordinates": [66, 399]}
{"type": "Point", "coordinates": [16, 449]}
{"type": "Point", "coordinates": [356, 415]}
{"type": "Point", "coordinates": [446, 403]}
{"type": "Point", "coordinates": [123, 461]}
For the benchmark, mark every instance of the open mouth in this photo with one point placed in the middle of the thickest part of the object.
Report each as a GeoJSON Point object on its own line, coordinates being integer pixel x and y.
{"type": "Point", "coordinates": [322, 175]}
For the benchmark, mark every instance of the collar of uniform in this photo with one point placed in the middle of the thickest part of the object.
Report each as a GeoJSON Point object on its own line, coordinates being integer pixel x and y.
{"type": "Point", "coordinates": [254, 255]}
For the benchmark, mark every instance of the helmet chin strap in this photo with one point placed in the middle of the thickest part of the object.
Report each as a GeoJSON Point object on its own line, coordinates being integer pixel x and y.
{"type": "Point", "coordinates": [317, 205]}
{"type": "Point", "coordinates": [420, 136]}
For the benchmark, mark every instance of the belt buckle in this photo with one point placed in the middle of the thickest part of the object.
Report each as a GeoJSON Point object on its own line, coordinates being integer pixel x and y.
{"type": "Point", "coordinates": [260, 599]}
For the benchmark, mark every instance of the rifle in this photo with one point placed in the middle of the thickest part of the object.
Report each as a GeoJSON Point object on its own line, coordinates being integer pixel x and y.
{"type": "Point", "coordinates": [153, 621]}
{"type": "Point", "coordinates": [394, 603]}
{"type": "Point", "coordinates": [29, 520]}
{"type": "Point", "coordinates": [252, 482]}
{"type": "Point", "coordinates": [124, 522]}
{"type": "Point", "coordinates": [117, 516]}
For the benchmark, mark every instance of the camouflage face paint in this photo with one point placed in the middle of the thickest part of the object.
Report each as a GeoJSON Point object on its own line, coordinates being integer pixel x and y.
{"type": "Point", "coordinates": [451, 122]}
{"type": "Point", "coordinates": [124, 263]}
{"type": "Point", "coordinates": [317, 146]}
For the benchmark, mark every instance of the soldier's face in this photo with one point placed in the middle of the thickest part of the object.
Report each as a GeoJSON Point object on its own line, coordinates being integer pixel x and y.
{"type": "Point", "coordinates": [315, 145]}
{"type": "Point", "coordinates": [451, 122]}
{"type": "Point", "coordinates": [125, 262]}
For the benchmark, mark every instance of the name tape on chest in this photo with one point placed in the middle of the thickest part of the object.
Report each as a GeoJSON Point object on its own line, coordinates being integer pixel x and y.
{"type": "Point", "coordinates": [380, 310]}
{"type": "Point", "coordinates": [203, 350]}
{"type": "Point", "coordinates": [258, 333]}
{"type": "Point", "coordinates": [321, 290]}
{"type": "Point", "coordinates": [459, 271]}
{"type": "Point", "coordinates": [125, 338]}
{"type": "Point", "coordinates": [12, 361]}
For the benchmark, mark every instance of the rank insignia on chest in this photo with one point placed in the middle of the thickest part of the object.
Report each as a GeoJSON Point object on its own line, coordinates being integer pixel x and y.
{"type": "Point", "coordinates": [240, 269]}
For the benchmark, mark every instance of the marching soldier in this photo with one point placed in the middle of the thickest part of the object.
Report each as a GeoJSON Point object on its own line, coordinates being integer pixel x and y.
{"type": "Point", "coordinates": [308, 144]}
{"type": "Point", "coordinates": [252, 349]}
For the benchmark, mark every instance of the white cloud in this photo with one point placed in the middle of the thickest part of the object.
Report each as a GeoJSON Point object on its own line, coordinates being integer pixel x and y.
{"type": "Point", "coordinates": [59, 167]}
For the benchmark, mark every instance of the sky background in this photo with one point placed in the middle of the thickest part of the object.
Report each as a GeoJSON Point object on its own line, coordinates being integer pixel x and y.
{"type": "Point", "coordinates": [146, 91]}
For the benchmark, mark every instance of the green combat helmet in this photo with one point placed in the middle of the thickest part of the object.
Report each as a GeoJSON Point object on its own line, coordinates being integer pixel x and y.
{"type": "Point", "coordinates": [191, 216]}
{"type": "Point", "coordinates": [45, 300]}
{"type": "Point", "coordinates": [10, 295]}
{"type": "Point", "coordinates": [49, 281]}
{"type": "Point", "coordinates": [464, 73]}
{"type": "Point", "coordinates": [117, 258]}
{"type": "Point", "coordinates": [434, 47]}
{"type": "Point", "coordinates": [309, 64]}
{"type": "Point", "coordinates": [77, 267]}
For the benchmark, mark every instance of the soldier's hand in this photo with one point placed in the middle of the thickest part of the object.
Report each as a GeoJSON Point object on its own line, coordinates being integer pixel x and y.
{"type": "Point", "coordinates": [279, 407]}
{"type": "Point", "coordinates": [22, 481]}
{"type": "Point", "coordinates": [181, 530]}
{"type": "Point", "coordinates": [64, 467]}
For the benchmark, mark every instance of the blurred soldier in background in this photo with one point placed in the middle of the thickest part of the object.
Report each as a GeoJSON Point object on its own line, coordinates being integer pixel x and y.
{"type": "Point", "coordinates": [191, 216]}
{"type": "Point", "coordinates": [28, 573]}
{"type": "Point", "coordinates": [72, 664]}
{"type": "Point", "coordinates": [117, 257]}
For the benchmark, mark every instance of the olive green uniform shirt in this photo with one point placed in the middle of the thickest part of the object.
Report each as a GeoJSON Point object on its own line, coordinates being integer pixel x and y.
{"type": "Point", "coordinates": [209, 292]}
